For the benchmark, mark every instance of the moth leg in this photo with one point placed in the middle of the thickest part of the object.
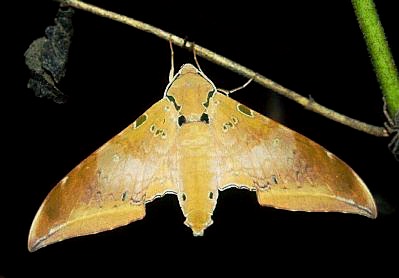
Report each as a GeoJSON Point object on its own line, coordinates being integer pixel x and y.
{"type": "Point", "coordinates": [385, 110]}
{"type": "Point", "coordinates": [195, 58]}
{"type": "Point", "coordinates": [393, 129]}
{"type": "Point", "coordinates": [228, 92]}
{"type": "Point", "coordinates": [393, 145]}
{"type": "Point", "coordinates": [172, 62]}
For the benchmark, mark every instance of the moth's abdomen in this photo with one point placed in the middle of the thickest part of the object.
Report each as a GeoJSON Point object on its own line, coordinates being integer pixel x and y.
{"type": "Point", "coordinates": [198, 179]}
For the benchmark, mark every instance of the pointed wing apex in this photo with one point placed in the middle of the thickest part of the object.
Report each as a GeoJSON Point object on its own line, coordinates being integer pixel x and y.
{"type": "Point", "coordinates": [342, 192]}
{"type": "Point", "coordinates": [52, 224]}
{"type": "Point", "coordinates": [80, 205]}
{"type": "Point", "coordinates": [110, 188]}
{"type": "Point", "coordinates": [288, 170]}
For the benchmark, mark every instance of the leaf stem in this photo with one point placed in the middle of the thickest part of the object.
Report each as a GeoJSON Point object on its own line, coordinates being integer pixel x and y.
{"type": "Point", "coordinates": [378, 48]}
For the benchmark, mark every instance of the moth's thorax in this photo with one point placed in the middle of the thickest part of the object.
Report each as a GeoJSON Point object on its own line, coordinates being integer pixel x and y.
{"type": "Point", "coordinates": [189, 90]}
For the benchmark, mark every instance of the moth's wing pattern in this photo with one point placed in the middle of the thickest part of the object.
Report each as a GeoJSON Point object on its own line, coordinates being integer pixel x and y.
{"type": "Point", "coordinates": [110, 187]}
{"type": "Point", "coordinates": [286, 169]}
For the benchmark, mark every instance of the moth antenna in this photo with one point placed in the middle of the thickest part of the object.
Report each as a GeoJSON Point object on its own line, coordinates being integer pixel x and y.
{"type": "Point", "coordinates": [172, 62]}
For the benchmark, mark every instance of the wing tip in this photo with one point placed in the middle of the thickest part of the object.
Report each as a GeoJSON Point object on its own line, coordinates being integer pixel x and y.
{"type": "Point", "coordinates": [370, 211]}
{"type": "Point", "coordinates": [35, 244]}
{"type": "Point", "coordinates": [42, 234]}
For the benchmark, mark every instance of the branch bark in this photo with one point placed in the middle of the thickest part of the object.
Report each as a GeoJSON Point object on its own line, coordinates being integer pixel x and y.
{"type": "Point", "coordinates": [309, 104]}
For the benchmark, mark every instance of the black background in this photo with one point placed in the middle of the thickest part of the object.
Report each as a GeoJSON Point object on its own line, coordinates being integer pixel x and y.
{"type": "Point", "coordinates": [116, 72]}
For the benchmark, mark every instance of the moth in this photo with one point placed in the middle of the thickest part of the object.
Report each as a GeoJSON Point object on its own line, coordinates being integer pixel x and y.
{"type": "Point", "coordinates": [195, 142]}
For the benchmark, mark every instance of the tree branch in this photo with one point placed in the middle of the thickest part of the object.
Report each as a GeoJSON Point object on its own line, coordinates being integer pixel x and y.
{"type": "Point", "coordinates": [309, 104]}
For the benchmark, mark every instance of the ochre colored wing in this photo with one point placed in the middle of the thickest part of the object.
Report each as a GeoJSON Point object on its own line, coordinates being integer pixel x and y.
{"type": "Point", "coordinates": [286, 169]}
{"type": "Point", "coordinates": [110, 188]}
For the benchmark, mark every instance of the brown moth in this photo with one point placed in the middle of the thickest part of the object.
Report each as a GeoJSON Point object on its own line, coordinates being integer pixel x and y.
{"type": "Point", "coordinates": [194, 142]}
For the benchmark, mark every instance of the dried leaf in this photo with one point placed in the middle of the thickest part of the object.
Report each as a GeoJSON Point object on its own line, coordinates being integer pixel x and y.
{"type": "Point", "coordinates": [47, 57]}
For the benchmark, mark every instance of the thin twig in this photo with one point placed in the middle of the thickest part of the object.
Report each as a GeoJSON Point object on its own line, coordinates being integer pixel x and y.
{"type": "Point", "coordinates": [309, 104]}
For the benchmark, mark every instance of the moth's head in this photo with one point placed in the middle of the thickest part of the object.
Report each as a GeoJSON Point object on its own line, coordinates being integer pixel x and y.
{"type": "Point", "coordinates": [190, 91]}
{"type": "Point", "coordinates": [188, 68]}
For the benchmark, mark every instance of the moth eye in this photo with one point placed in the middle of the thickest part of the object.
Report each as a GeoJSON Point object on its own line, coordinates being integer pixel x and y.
{"type": "Point", "coordinates": [181, 120]}
{"type": "Point", "coordinates": [211, 195]}
{"type": "Point", "coordinates": [183, 196]}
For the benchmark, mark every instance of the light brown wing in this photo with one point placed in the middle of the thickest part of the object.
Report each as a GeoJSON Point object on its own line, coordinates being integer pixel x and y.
{"type": "Point", "coordinates": [110, 188]}
{"type": "Point", "coordinates": [287, 170]}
